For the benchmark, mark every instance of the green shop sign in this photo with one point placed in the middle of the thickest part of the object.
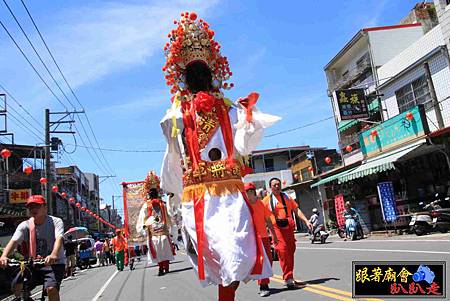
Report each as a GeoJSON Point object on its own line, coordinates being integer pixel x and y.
{"type": "Point", "coordinates": [394, 132]}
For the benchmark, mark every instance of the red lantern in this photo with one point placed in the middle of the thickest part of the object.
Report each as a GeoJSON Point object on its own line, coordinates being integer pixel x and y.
{"type": "Point", "coordinates": [328, 160]}
{"type": "Point", "coordinates": [6, 153]}
{"type": "Point", "coordinates": [374, 133]}
{"type": "Point", "coordinates": [310, 169]}
{"type": "Point", "coordinates": [28, 170]}
{"type": "Point", "coordinates": [349, 148]}
{"type": "Point", "coordinates": [78, 205]}
{"type": "Point", "coordinates": [55, 189]}
{"type": "Point", "coordinates": [409, 116]}
{"type": "Point", "coordinates": [296, 177]}
{"type": "Point", "coordinates": [43, 181]}
{"type": "Point", "coordinates": [83, 209]}
{"type": "Point", "coordinates": [71, 200]}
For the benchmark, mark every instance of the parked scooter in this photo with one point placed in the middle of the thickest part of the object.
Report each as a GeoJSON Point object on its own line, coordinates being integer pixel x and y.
{"type": "Point", "coordinates": [435, 218]}
{"type": "Point", "coordinates": [319, 234]}
{"type": "Point", "coordinates": [441, 216]}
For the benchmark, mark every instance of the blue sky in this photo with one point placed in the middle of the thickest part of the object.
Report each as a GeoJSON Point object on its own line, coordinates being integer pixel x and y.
{"type": "Point", "coordinates": [111, 54]}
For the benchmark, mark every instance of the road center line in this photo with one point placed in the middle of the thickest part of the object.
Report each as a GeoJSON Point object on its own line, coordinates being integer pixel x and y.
{"type": "Point", "coordinates": [102, 289]}
{"type": "Point", "coordinates": [378, 250]}
{"type": "Point", "coordinates": [323, 288]}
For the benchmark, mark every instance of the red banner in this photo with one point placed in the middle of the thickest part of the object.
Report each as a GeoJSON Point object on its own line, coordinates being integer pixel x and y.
{"type": "Point", "coordinates": [339, 206]}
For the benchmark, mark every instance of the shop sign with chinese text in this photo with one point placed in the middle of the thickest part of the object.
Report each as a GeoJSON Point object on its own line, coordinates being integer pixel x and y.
{"type": "Point", "coordinates": [399, 279]}
{"type": "Point", "coordinates": [352, 104]}
{"type": "Point", "coordinates": [404, 127]}
{"type": "Point", "coordinates": [18, 196]}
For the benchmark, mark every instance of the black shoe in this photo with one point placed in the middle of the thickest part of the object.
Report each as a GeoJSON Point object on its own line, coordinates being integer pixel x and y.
{"type": "Point", "coordinates": [264, 290]}
{"type": "Point", "coordinates": [161, 272]}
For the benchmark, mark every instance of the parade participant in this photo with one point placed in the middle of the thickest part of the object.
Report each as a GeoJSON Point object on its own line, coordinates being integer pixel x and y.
{"type": "Point", "coordinates": [119, 245]}
{"type": "Point", "coordinates": [107, 251]}
{"type": "Point", "coordinates": [282, 207]}
{"type": "Point", "coordinates": [208, 137]}
{"type": "Point", "coordinates": [43, 236]}
{"type": "Point", "coordinates": [156, 221]}
{"type": "Point", "coordinates": [264, 220]}
{"type": "Point", "coordinates": [99, 252]}
{"type": "Point", "coordinates": [70, 248]}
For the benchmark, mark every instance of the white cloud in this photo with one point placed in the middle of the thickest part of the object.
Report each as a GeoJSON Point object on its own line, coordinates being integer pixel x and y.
{"type": "Point", "coordinates": [92, 42]}
{"type": "Point", "coordinates": [151, 101]}
{"type": "Point", "coordinates": [376, 14]}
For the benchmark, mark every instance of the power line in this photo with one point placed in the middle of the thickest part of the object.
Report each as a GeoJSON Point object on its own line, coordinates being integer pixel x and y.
{"type": "Point", "coordinates": [32, 66]}
{"type": "Point", "coordinates": [125, 150]}
{"type": "Point", "coordinates": [39, 75]}
{"type": "Point", "coordinates": [20, 105]}
{"type": "Point", "coordinates": [299, 127]}
{"type": "Point", "coordinates": [72, 91]}
{"type": "Point", "coordinates": [37, 53]}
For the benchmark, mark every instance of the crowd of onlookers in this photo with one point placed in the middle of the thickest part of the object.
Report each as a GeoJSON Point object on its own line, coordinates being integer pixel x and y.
{"type": "Point", "coordinates": [88, 252]}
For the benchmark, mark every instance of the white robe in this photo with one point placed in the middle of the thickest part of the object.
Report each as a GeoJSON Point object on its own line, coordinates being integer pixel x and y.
{"type": "Point", "coordinates": [229, 244]}
{"type": "Point", "coordinates": [161, 243]}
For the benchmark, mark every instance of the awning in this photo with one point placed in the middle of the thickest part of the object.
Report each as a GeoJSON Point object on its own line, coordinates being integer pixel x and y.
{"type": "Point", "coordinates": [346, 124]}
{"type": "Point", "coordinates": [331, 178]}
{"type": "Point", "coordinates": [379, 163]}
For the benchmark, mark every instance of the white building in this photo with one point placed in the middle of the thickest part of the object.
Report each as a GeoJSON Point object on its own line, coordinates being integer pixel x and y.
{"type": "Point", "coordinates": [443, 13]}
{"type": "Point", "coordinates": [405, 83]}
{"type": "Point", "coordinates": [272, 163]}
{"type": "Point", "coordinates": [356, 65]}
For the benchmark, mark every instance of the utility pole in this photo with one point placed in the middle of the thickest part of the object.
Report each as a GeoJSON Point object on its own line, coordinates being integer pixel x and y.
{"type": "Point", "coordinates": [48, 194]}
{"type": "Point", "coordinates": [51, 127]}
{"type": "Point", "coordinates": [434, 100]}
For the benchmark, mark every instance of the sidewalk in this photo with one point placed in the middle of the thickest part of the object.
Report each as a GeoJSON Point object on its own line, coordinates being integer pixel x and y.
{"type": "Point", "coordinates": [383, 235]}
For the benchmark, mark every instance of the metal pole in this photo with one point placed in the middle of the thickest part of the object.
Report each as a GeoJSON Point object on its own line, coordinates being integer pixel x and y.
{"type": "Point", "coordinates": [48, 194]}
{"type": "Point", "coordinates": [437, 108]}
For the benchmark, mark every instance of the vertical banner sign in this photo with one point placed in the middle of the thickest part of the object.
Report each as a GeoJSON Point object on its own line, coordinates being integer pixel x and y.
{"type": "Point", "coordinates": [387, 199]}
{"type": "Point", "coordinates": [352, 104]}
{"type": "Point", "coordinates": [133, 202]}
{"type": "Point", "coordinates": [339, 206]}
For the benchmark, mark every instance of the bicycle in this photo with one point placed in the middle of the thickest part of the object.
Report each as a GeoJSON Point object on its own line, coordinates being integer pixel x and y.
{"type": "Point", "coordinates": [26, 268]}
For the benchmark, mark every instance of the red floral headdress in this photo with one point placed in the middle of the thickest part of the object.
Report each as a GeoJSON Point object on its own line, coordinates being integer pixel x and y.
{"type": "Point", "coordinates": [151, 181]}
{"type": "Point", "coordinates": [193, 41]}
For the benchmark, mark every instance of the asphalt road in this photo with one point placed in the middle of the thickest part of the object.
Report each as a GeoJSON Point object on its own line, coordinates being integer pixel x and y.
{"type": "Point", "coordinates": [324, 272]}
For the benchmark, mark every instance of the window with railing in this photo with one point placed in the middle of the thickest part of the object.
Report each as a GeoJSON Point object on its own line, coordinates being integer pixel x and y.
{"type": "Point", "coordinates": [413, 94]}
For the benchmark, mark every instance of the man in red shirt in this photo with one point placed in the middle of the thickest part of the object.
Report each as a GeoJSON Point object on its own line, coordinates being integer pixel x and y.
{"type": "Point", "coordinates": [262, 218]}
{"type": "Point", "coordinates": [282, 207]}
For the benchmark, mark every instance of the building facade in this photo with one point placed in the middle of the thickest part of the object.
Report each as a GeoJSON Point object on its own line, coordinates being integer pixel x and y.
{"type": "Point", "coordinates": [272, 163]}
{"type": "Point", "coordinates": [404, 156]}
{"type": "Point", "coordinates": [356, 66]}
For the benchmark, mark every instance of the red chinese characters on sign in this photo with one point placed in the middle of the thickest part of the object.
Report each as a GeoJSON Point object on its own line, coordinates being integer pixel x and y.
{"type": "Point", "coordinates": [415, 289]}
{"type": "Point", "coordinates": [18, 196]}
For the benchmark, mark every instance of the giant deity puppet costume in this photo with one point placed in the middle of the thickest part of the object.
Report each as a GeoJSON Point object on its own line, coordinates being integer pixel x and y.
{"type": "Point", "coordinates": [208, 136]}
{"type": "Point", "coordinates": [155, 221]}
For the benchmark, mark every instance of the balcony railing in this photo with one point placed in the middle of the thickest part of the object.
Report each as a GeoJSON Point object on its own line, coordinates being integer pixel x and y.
{"type": "Point", "coordinates": [353, 74]}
